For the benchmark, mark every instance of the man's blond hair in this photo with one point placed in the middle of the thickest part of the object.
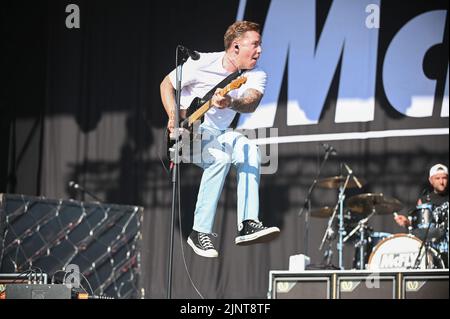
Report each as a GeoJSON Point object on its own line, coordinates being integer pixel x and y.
{"type": "Point", "coordinates": [237, 29]}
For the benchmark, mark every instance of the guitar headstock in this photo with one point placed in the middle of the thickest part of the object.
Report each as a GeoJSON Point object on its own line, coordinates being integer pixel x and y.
{"type": "Point", "coordinates": [237, 83]}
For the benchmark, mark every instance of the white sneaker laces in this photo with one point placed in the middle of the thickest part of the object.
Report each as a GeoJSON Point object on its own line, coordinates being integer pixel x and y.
{"type": "Point", "coordinates": [205, 241]}
{"type": "Point", "coordinates": [257, 225]}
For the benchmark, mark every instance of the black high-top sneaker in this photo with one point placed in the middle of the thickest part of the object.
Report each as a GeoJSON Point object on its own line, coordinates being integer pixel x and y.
{"type": "Point", "coordinates": [202, 244]}
{"type": "Point", "coordinates": [252, 232]}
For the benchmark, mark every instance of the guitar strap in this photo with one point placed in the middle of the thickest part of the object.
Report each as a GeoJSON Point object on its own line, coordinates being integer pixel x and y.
{"type": "Point", "coordinates": [221, 85]}
{"type": "Point", "coordinates": [211, 92]}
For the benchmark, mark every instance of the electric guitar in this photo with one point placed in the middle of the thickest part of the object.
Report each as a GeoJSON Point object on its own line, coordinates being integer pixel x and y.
{"type": "Point", "coordinates": [195, 112]}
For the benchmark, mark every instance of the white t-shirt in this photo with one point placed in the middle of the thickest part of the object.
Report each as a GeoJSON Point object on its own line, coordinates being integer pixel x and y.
{"type": "Point", "coordinates": [200, 76]}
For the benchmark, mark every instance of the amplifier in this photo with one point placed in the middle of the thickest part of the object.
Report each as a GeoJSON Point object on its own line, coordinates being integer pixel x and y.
{"type": "Point", "coordinates": [359, 284]}
{"type": "Point", "coordinates": [366, 286]}
{"type": "Point", "coordinates": [424, 285]}
{"type": "Point", "coordinates": [26, 277]}
{"type": "Point", "coordinates": [59, 291]}
{"type": "Point", "coordinates": [291, 285]}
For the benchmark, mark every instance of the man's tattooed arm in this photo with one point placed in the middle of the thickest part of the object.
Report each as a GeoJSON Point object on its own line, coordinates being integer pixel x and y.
{"type": "Point", "coordinates": [248, 102]}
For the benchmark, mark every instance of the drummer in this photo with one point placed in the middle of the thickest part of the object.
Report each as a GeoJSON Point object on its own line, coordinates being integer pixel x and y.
{"type": "Point", "coordinates": [438, 179]}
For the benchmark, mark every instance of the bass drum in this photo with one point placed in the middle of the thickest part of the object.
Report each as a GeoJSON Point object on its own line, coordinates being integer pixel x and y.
{"type": "Point", "coordinates": [401, 251]}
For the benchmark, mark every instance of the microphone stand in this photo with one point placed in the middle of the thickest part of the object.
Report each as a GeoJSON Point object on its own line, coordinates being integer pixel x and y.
{"type": "Point", "coordinates": [340, 206]}
{"type": "Point", "coordinates": [307, 204]}
{"type": "Point", "coordinates": [92, 195]}
{"type": "Point", "coordinates": [175, 169]}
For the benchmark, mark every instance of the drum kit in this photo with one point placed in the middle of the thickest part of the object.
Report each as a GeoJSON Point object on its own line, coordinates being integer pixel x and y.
{"type": "Point", "coordinates": [424, 246]}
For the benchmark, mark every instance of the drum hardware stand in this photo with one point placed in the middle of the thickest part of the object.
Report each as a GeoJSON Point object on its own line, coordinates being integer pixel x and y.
{"type": "Point", "coordinates": [410, 228]}
{"type": "Point", "coordinates": [426, 245]}
{"type": "Point", "coordinates": [362, 227]}
{"type": "Point", "coordinates": [327, 255]}
{"type": "Point", "coordinates": [307, 204]}
{"type": "Point", "coordinates": [340, 205]}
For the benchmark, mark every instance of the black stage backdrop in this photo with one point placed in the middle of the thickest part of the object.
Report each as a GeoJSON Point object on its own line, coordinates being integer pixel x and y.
{"type": "Point", "coordinates": [82, 103]}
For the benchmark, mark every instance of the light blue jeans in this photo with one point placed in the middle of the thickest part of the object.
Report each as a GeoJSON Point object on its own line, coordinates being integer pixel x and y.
{"type": "Point", "coordinates": [220, 150]}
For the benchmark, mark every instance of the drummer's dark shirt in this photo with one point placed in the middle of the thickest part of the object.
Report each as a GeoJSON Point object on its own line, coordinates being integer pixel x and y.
{"type": "Point", "coordinates": [435, 198]}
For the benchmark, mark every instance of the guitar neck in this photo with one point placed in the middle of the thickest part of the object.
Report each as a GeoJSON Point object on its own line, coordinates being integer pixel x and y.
{"type": "Point", "coordinates": [206, 106]}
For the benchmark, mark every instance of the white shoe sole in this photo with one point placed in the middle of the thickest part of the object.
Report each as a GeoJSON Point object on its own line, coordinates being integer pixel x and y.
{"type": "Point", "coordinates": [262, 236]}
{"type": "Point", "coordinates": [210, 253]}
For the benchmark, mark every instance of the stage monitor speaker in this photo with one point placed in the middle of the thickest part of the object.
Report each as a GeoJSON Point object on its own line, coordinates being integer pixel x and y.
{"type": "Point", "coordinates": [366, 286]}
{"type": "Point", "coordinates": [359, 284]}
{"type": "Point", "coordinates": [425, 286]}
{"type": "Point", "coordinates": [293, 286]}
{"type": "Point", "coordinates": [38, 292]}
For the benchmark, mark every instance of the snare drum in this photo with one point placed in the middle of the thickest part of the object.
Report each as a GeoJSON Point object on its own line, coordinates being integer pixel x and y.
{"type": "Point", "coordinates": [400, 251]}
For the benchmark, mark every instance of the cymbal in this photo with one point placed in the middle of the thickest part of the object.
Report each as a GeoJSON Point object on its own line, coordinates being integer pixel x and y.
{"type": "Point", "coordinates": [322, 212]}
{"type": "Point", "coordinates": [337, 181]}
{"type": "Point", "coordinates": [366, 203]}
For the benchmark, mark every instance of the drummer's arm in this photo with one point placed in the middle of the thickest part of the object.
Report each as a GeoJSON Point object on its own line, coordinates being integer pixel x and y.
{"type": "Point", "coordinates": [402, 220]}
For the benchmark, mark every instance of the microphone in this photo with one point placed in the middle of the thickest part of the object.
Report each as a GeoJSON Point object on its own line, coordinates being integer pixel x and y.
{"type": "Point", "coordinates": [193, 54]}
{"type": "Point", "coordinates": [328, 148]}
{"type": "Point", "coordinates": [76, 186]}
{"type": "Point", "coordinates": [355, 179]}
